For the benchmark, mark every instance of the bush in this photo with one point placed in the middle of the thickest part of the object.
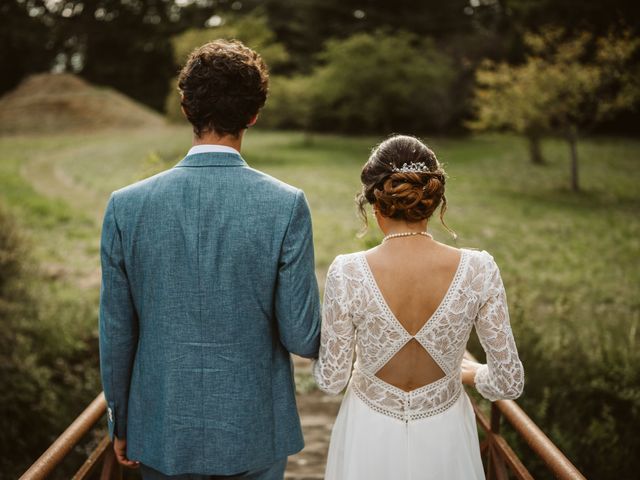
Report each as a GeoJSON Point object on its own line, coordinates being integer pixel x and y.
{"type": "Point", "coordinates": [584, 393]}
{"type": "Point", "coordinates": [48, 363]}
{"type": "Point", "coordinates": [382, 82]}
{"type": "Point", "coordinates": [290, 103]}
{"type": "Point", "coordinates": [582, 389]}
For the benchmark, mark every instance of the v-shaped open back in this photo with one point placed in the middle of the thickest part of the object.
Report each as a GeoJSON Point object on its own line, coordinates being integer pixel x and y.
{"type": "Point", "coordinates": [405, 376]}
{"type": "Point", "coordinates": [411, 366]}
{"type": "Point", "coordinates": [428, 317]}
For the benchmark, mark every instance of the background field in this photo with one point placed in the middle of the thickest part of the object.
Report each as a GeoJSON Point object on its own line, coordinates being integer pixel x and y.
{"type": "Point", "coordinates": [569, 260]}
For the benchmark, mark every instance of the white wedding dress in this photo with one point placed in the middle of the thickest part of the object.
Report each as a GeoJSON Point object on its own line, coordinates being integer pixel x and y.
{"type": "Point", "coordinates": [383, 432]}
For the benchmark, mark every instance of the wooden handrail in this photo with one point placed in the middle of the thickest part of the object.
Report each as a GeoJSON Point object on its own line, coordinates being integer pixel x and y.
{"type": "Point", "coordinates": [542, 445]}
{"type": "Point", "coordinates": [59, 449]}
{"type": "Point", "coordinates": [499, 456]}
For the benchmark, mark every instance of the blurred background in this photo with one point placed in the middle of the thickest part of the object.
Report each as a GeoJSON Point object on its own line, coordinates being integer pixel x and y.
{"type": "Point", "coordinates": [532, 106]}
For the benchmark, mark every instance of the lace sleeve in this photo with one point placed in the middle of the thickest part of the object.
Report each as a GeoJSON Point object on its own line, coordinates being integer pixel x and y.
{"type": "Point", "coordinates": [502, 377]}
{"type": "Point", "coordinates": [337, 338]}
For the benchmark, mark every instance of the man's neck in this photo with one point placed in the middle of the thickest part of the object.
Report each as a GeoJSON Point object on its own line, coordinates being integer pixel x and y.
{"type": "Point", "coordinates": [210, 138]}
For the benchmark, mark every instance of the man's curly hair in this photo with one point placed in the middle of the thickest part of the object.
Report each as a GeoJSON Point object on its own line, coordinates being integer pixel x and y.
{"type": "Point", "coordinates": [223, 85]}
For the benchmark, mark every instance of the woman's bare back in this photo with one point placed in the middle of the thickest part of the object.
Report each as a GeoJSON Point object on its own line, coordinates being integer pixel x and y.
{"type": "Point", "coordinates": [413, 278]}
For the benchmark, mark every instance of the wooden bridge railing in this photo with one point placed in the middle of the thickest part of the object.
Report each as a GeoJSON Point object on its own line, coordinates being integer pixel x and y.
{"type": "Point", "coordinates": [499, 459]}
{"type": "Point", "coordinates": [102, 455]}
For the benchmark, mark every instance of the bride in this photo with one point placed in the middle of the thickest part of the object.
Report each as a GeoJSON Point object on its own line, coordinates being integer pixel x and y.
{"type": "Point", "coordinates": [407, 307]}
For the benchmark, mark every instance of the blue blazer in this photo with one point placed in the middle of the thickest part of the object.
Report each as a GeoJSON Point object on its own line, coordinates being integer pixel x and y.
{"type": "Point", "coordinates": [208, 284]}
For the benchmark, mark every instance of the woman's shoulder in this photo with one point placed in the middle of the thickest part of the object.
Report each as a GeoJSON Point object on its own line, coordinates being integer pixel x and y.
{"type": "Point", "coordinates": [346, 263]}
{"type": "Point", "coordinates": [480, 262]}
{"type": "Point", "coordinates": [470, 255]}
{"type": "Point", "coordinates": [346, 258]}
{"type": "Point", "coordinates": [478, 253]}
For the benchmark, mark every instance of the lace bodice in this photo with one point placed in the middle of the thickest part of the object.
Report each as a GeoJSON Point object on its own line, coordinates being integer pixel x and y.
{"type": "Point", "coordinates": [356, 317]}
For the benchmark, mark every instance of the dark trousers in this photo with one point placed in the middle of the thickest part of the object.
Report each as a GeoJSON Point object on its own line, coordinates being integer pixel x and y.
{"type": "Point", "coordinates": [272, 472]}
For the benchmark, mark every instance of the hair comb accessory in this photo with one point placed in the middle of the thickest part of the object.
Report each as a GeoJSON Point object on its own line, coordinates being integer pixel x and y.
{"type": "Point", "coordinates": [413, 167]}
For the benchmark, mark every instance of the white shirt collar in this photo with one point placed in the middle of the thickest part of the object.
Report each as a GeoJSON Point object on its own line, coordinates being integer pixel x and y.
{"type": "Point", "coordinates": [209, 148]}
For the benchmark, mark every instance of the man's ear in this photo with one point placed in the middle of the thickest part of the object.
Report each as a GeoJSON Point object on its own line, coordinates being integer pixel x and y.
{"type": "Point", "coordinates": [184, 112]}
{"type": "Point", "coordinates": [253, 121]}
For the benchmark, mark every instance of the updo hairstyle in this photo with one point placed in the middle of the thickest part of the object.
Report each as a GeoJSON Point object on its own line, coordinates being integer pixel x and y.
{"type": "Point", "coordinates": [409, 196]}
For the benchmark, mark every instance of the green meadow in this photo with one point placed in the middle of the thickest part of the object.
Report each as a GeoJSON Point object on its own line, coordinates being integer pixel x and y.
{"type": "Point", "coordinates": [569, 260]}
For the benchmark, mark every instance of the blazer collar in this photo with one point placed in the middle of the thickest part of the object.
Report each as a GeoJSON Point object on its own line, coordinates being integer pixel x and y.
{"type": "Point", "coordinates": [212, 159]}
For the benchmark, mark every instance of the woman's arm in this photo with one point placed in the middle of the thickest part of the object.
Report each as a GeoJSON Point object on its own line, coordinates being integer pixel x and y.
{"type": "Point", "coordinates": [502, 377]}
{"type": "Point", "coordinates": [337, 338]}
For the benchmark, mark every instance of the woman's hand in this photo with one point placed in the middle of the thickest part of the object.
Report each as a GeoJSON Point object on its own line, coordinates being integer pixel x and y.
{"type": "Point", "coordinates": [469, 369]}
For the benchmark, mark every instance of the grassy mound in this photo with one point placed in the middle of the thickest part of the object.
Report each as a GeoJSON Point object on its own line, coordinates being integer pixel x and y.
{"type": "Point", "coordinates": [53, 103]}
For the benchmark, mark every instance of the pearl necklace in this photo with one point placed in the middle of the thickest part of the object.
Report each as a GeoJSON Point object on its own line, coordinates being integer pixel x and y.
{"type": "Point", "coordinates": [406, 234]}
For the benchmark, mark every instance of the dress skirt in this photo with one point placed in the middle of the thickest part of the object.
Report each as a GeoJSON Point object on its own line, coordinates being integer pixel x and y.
{"type": "Point", "coordinates": [368, 445]}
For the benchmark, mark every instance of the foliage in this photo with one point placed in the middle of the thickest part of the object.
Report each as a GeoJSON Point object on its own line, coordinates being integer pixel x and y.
{"type": "Point", "coordinates": [592, 15]}
{"type": "Point", "coordinates": [561, 87]}
{"type": "Point", "coordinates": [127, 45]}
{"type": "Point", "coordinates": [304, 27]}
{"type": "Point", "coordinates": [290, 103]}
{"type": "Point", "coordinates": [11, 251]}
{"type": "Point", "coordinates": [252, 29]}
{"type": "Point", "coordinates": [367, 82]}
{"type": "Point", "coordinates": [23, 44]}
{"type": "Point", "coordinates": [48, 358]}
{"type": "Point", "coordinates": [382, 82]}
{"type": "Point", "coordinates": [119, 43]}
{"type": "Point", "coordinates": [558, 86]}
{"type": "Point", "coordinates": [585, 392]}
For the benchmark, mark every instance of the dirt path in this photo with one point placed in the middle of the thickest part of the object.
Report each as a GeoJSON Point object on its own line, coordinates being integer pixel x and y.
{"type": "Point", "coordinates": [47, 176]}
{"type": "Point", "coordinates": [72, 257]}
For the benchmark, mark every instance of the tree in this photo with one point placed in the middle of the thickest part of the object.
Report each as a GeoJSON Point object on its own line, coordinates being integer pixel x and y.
{"type": "Point", "coordinates": [304, 26]}
{"type": "Point", "coordinates": [592, 15]}
{"type": "Point", "coordinates": [125, 44]}
{"type": "Point", "coordinates": [24, 41]}
{"type": "Point", "coordinates": [566, 84]}
{"type": "Point", "coordinates": [290, 104]}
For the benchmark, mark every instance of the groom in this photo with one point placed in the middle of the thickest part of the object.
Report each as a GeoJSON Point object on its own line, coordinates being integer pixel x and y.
{"type": "Point", "coordinates": [208, 285]}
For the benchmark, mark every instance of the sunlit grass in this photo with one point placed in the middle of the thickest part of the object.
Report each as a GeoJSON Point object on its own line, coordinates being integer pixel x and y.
{"type": "Point", "coordinates": [563, 255]}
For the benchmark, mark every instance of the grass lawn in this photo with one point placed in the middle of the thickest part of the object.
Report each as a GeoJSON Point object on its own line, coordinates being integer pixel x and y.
{"type": "Point", "coordinates": [569, 260]}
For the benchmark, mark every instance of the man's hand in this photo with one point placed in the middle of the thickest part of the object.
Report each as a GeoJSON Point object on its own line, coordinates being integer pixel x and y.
{"type": "Point", "coordinates": [120, 447]}
{"type": "Point", "coordinates": [469, 369]}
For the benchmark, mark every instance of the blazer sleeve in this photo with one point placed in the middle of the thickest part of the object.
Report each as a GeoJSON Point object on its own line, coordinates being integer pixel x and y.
{"type": "Point", "coordinates": [297, 300]}
{"type": "Point", "coordinates": [502, 377]}
{"type": "Point", "coordinates": [333, 368]}
{"type": "Point", "coordinates": [118, 325]}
